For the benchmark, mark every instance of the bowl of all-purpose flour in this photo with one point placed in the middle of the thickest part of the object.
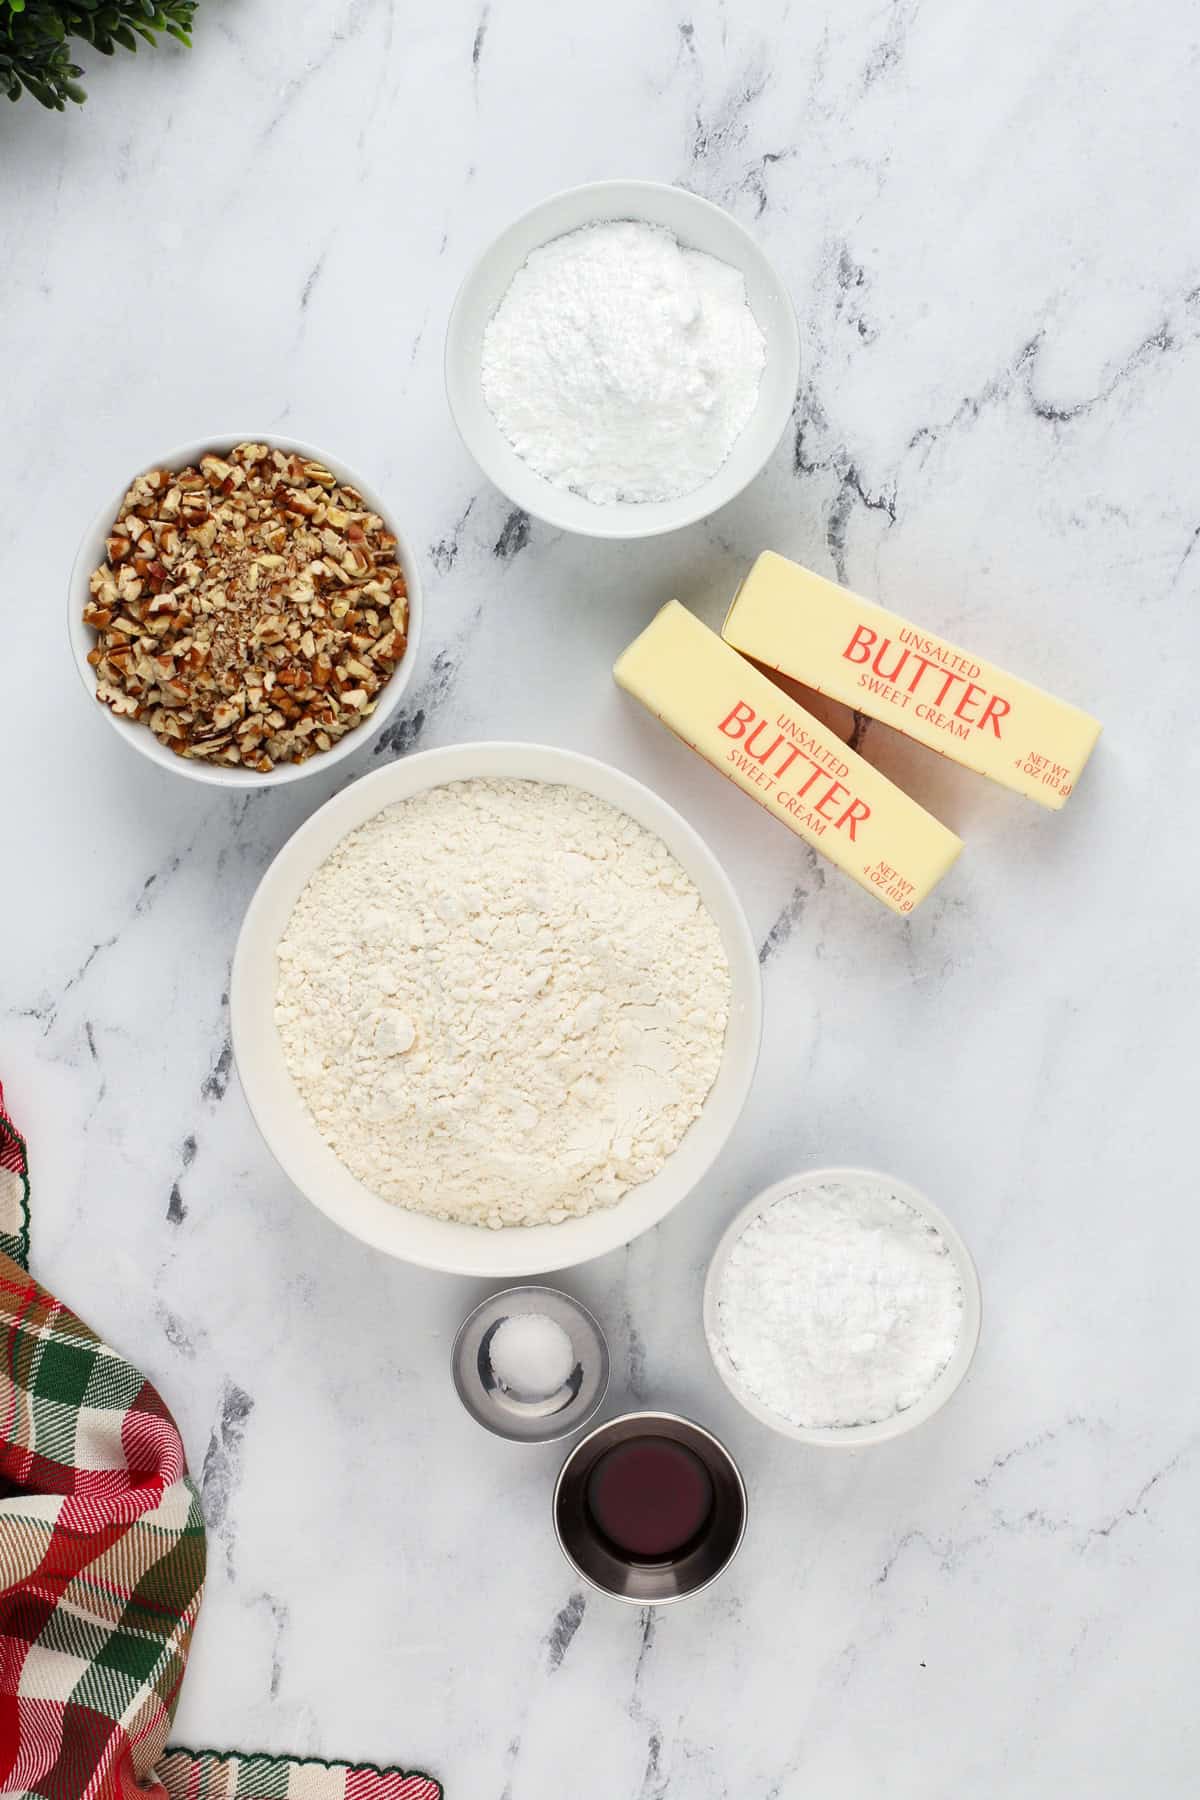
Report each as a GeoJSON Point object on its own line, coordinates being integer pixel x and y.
{"type": "Point", "coordinates": [842, 1307]}
{"type": "Point", "coordinates": [623, 359]}
{"type": "Point", "coordinates": [495, 1008]}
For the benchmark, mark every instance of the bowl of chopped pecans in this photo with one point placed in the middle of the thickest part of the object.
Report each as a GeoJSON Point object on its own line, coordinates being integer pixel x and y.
{"type": "Point", "coordinates": [245, 611]}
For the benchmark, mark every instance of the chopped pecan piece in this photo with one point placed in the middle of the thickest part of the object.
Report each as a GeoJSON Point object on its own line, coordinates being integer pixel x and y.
{"type": "Point", "coordinates": [249, 609]}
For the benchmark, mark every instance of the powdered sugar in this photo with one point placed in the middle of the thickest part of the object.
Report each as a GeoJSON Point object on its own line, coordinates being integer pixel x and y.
{"type": "Point", "coordinates": [621, 364]}
{"type": "Point", "coordinates": [502, 1001]}
{"type": "Point", "coordinates": [840, 1305]}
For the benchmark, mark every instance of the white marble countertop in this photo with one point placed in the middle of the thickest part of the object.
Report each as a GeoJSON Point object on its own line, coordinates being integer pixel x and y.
{"type": "Point", "coordinates": [986, 213]}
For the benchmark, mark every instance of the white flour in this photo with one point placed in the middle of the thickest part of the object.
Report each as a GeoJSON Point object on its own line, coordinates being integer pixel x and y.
{"type": "Point", "coordinates": [622, 365]}
{"type": "Point", "coordinates": [840, 1305]}
{"type": "Point", "coordinates": [502, 1001]}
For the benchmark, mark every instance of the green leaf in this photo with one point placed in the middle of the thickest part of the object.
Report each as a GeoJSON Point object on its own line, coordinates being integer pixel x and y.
{"type": "Point", "coordinates": [35, 34]}
{"type": "Point", "coordinates": [41, 92]}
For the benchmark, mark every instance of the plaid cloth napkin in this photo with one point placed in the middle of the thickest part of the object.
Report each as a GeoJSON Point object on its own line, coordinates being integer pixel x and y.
{"type": "Point", "coordinates": [102, 1568]}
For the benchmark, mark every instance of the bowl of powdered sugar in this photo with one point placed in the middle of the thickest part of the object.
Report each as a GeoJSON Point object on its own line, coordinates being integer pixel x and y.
{"type": "Point", "coordinates": [842, 1308]}
{"type": "Point", "coordinates": [623, 359]}
{"type": "Point", "coordinates": [495, 1008]}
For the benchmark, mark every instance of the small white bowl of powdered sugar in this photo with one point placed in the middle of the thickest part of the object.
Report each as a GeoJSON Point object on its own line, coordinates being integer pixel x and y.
{"type": "Point", "coordinates": [842, 1308]}
{"type": "Point", "coordinates": [622, 360]}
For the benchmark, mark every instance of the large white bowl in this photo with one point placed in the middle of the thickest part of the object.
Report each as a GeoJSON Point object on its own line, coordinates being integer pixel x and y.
{"type": "Point", "coordinates": [848, 1437]}
{"type": "Point", "coordinates": [284, 1120]}
{"type": "Point", "coordinates": [699, 225]}
{"type": "Point", "coordinates": [138, 736]}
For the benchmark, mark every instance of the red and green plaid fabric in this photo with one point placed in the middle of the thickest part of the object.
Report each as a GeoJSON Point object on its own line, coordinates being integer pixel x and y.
{"type": "Point", "coordinates": [102, 1568]}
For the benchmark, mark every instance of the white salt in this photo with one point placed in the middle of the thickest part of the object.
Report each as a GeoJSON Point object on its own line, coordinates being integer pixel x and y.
{"type": "Point", "coordinates": [531, 1356]}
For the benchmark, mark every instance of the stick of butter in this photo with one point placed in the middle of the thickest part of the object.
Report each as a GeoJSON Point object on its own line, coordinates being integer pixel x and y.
{"type": "Point", "coordinates": [739, 721]}
{"type": "Point", "coordinates": [808, 628]}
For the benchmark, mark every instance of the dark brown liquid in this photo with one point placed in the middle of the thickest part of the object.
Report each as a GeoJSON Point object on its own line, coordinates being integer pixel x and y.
{"type": "Point", "coordinates": [650, 1498]}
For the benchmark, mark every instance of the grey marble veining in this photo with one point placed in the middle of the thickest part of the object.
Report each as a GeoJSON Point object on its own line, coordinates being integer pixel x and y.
{"type": "Point", "coordinates": [986, 214]}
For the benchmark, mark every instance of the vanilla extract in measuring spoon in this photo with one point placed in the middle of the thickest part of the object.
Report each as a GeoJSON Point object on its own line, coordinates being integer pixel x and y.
{"type": "Point", "coordinates": [650, 1499]}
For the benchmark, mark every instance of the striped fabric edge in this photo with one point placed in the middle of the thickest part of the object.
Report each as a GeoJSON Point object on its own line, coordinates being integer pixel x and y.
{"type": "Point", "coordinates": [229, 1775]}
{"type": "Point", "coordinates": [14, 1190]}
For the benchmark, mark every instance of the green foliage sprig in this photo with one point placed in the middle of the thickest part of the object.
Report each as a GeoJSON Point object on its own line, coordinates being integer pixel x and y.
{"type": "Point", "coordinates": [35, 37]}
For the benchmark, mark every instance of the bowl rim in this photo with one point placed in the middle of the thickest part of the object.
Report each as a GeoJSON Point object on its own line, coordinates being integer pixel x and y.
{"type": "Point", "coordinates": [947, 1383]}
{"type": "Point", "coordinates": [651, 1413]}
{"type": "Point", "coordinates": [139, 737]}
{"type": "Point", "coordinates": [628, 520]}
{"type": "Point", "coordinates": [551, 1248]}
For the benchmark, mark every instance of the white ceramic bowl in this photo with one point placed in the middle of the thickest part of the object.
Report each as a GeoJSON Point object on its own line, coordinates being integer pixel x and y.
{"type": "Point", "coordinates": [140, 737]}
{"type": "Point", "coordinates": [699, 225]}
{"type": "Point", "coordinates": [848, 1437]}
{"type": "Point", "coordinates": [284, 1120]}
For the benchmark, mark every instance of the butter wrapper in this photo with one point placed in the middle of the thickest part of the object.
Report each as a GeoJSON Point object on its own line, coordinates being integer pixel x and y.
{"type": "Point", "coordinates": [814, 631]}
{"type": "Point", "coordinates": [752, 732]}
